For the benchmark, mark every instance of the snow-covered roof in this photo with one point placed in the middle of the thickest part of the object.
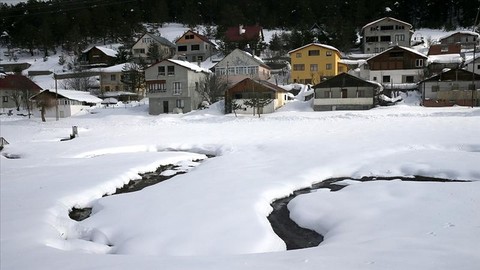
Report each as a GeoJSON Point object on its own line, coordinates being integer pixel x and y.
{"type": "Point", "coordinates": [73, 95]}
{"type": "Point", "coordinates": [464, 32]}
{"type": "Point", "coordinates": [116, 68]}
{"type": "Point", "coordinates": [191, 66]}
{"type": "Point", "coordinates": [386, 18]}
{"type": "Point", "coordinates": [401, 47]}
{"type": "Point", "coordinates": [453, 58]}
{"type": "Point", "coordinates": [315, 44]}
{"type": "Point", "coordinates": [106, 51]}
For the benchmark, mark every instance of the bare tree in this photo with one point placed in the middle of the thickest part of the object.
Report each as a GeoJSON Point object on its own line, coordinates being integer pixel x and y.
{"type": "Point", "coordinates": [79, 83]}
{"type": "Point", "coordinates": [258, 101]}
{"type": "Point", "coordinates": [44, 102]}
{"type": "Point", "coordinates": [212, 88]}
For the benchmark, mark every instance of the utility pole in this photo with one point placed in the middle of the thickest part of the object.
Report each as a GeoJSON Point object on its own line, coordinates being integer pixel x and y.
{"type": "Point", "coordinates": [56, 96]}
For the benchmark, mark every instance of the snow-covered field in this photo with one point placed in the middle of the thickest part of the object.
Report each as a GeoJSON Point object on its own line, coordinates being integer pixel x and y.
{"type": "Point", "coordinates": [214, 217]}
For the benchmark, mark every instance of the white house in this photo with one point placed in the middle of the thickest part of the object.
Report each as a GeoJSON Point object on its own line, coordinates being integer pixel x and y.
{"type": "Point", "coordinates": [69, 102]}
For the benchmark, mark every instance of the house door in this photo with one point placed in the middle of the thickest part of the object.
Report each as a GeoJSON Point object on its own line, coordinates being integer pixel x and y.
{"type": "Point", "coordinates": [165, 106]}
{"type": "Point", "coordinates": [344, 93]}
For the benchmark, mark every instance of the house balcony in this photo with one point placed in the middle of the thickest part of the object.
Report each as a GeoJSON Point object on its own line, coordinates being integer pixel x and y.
{"type": "Point", "coordinates": [343, 101]}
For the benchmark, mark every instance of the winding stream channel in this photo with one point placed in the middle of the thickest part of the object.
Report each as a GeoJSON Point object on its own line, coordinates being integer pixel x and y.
{"type": "Point", "coordinates": [294, 236]}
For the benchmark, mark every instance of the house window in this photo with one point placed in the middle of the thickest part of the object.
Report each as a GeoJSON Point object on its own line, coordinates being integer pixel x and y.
{"type": "Point", "coordinates": [327, 94]}
{"type": "Point", "coordinates": [376, 50]}
{"type": "Point", "coordinates": [386, 27]}
{"type": "Point", "coordinates": [328, 53]}
{"type": "Point", "coordinates": [371, 39]}
{"type": "Point", "coordinates": [409, 79]}
{"type": "Point", "coordinates": [328, 66]}
{"type": "Point", "coordinates": [107, 88]}
{"type": "Point", "coordinates": [385, 38]}
{"type": "Point", "coordinates": [177, 88]}
{"type": "Point", "coordinates": [189, 37]}
{"type": "Point", "coordinates": [182, 48]}
{"type": "Point", "coordinates": [478, 67]}
{"type": "Point", "coordinates": [180, 103]}
{"type": "Point", "coordinates": [419, 63]}
{"type": "Point", "coordinates": [199, 58]}
{"type": "Point", "coordinates": [313, 67]}
{"type": "Point", "coordinates": [298, 55]}
{"type": "Point", "coordinates": [360, 93]}
{"type": "Point", "coordinates": [170, 70]}
{"type": "Point", "coordinates": [344, 93]}
{"type": "Point", "coordinates": [399, 37]}
{"type": "Point", "coordinates": [161, 71]}
{"type": "Point", "coordinates": [157, 87]}
{"type": "Point", "coordinates": [386, 79]}
{"type": "Point", "coordinates": [195, 47]}
{"type": "Point", "coordinates": [5, 99]}
{"type": "Point", "coordinates": [399, 27]}
{"type": "Point", "coordinates": [299, 67]}
{"type": "Point", "coordinates": [313, 52]}
{"type": "Point", "coordinates": [435, 88]}
{"type": "Point", "coordinates": [138, 51]}
{"type": "Point", "coordinates": [113, 77]}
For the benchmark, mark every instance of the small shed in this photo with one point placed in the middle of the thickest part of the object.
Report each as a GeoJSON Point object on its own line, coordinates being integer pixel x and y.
{"type": "Point", "coordinates": [248, 89]}
{"type": "Point", "coordinates": [69, 102]}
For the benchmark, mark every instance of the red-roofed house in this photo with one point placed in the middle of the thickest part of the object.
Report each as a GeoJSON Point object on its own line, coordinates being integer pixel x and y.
{"type": "Point", "coordinates": [15, 89]}
{"type": "Point", "coordinates": [244, 37]}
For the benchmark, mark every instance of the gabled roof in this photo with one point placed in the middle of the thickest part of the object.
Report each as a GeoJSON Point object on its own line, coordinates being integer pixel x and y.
{"type": "Point", "coordinates": [242, 33]}
{"type": "Point", "coordinates": [453, 75]}
{"type": "Point", "coordinates": [470, 33]}
{"type": "Point", "coordinates": [13, 82]}
{"type": "Point", "coordinates": [399, 47]}
{"type": "Point", "coordinates": [315, 44]}
{"type": "Point", "coordinates": [159, 39]}
{"type": "Point", "coordinates": [255, 58]}
{"type": "Point", "coordinates": [386, 18]}
{"type": "Point", "coordinates": [202, 37]}
{"type": "Point", "coordinates": [266, 84]}
{"type": "Point", "coordinates": [106, 51]}
{"type": "Point", "coordinates": [344, 80]}
{"type": "Point", "coordinates": [185, 64]}
{"type": "Point", "coordinates": [71, 94]}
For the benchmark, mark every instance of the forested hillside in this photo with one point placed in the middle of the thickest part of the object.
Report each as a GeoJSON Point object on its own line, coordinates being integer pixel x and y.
{"type": "Point", "coordinates": [71, 23]}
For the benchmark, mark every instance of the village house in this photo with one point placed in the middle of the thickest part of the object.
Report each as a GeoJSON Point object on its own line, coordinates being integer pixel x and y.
{"type": "Point", "coordinates": [397, 69]}
{"type": "Point", "coordinates": [239, 65]}
{"type": "Point", "coordinates": [252, 89]}
{"type": "Point", "coordinates": [97, 56]}
{"type": "Point", "coordinates": [314, 62]}
{"type": "Point", "coordinates": [111, 78]}
{"type": "Point", "coordinates": [172, 86]}
{"type": "Point", "coordinates": [194, 47]}
{"type": "Point", "coordinates": [466, 39]}
{"type": "Point", "coordinates": [444, 56]}
{"type": "Point", "coordinates": [16, 89]}
{"type": "Point", "coordinates": [452, 87]}
{"type": "Point", "coordinates": [141, 46]}
{"type": "Point", "coordinates": [472, 64]}
{"type": "Point", "coordinates": [245, 37]}
{"type": "Point", "coordinates": [381, 34]}
{"type": "Point", "coordinates": [69, 102]}
{"type": "Point", "coordinates": [345, 92]}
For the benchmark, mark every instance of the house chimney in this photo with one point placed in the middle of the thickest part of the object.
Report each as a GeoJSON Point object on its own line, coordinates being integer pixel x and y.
{"type": "Point", "coordinates": [241, 30]}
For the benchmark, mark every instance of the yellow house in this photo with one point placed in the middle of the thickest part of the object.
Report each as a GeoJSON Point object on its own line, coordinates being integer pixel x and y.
{"type": "Point", "coordinates": [314, 62]}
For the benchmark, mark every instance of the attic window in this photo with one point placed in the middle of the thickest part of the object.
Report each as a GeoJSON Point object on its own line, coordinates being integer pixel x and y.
{"type": "Point", "coordinates": [313, 52]}
{"type": "Point", "coordinates": [328, 53]}
{"type": "Point", "coordinates": [189, 37]}
{"type": "Point", "coordinates": [386, 27]}
{"type": "Point", "coordinates": [419, 62]}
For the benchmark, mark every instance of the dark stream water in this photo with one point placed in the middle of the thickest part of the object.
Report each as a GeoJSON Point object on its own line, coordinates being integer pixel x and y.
{"type": "Point", "coordinates": [294, 236]}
